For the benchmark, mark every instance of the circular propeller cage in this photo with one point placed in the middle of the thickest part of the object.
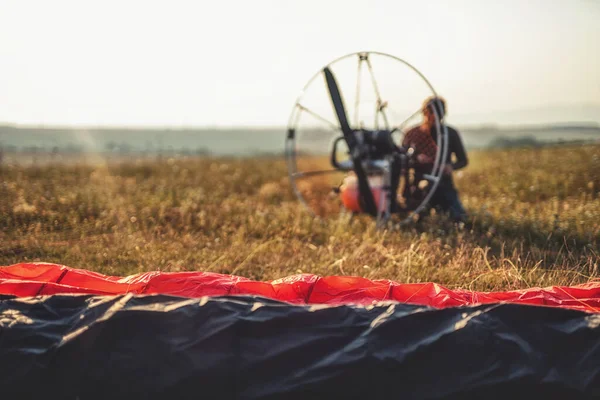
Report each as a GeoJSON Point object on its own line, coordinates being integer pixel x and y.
{"type": "Point", "coordinates": [325, 130]}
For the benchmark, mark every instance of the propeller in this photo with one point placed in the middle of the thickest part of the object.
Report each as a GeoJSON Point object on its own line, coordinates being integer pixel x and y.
{"type": "Point", "coordinates": [366, 196]}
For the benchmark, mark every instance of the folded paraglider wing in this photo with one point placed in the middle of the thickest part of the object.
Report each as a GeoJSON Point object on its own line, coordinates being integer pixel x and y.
{"type": "Point", "coordinates": [35, 279]}
{"type": "Point", "coordinates": [126, 346]}
{"type": "Point", "coordinates": [230, 345]}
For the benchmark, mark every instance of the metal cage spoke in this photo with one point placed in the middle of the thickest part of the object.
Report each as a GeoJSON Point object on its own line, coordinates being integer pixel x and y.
{"type": "Point", "coordinates": [402, 125]}
{"type": "Point", "coordinates": [318, 116]}
{"type": "Point", "coordinates": [357, 97]}
{"type": "Point", "coordinates": [380, 103]}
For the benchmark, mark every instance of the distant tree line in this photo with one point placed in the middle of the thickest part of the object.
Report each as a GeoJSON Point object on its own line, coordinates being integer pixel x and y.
{"type": "Point", "coordinates": [111, 147]}
{"type": "Point", "coordinates": [529, 141]}
{"type": "Point", "coordinates": [523, 141]}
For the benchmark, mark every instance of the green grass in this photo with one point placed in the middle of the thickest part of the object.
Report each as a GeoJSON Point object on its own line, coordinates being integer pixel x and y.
{"type": "Point", "coordinates": [535, 222]}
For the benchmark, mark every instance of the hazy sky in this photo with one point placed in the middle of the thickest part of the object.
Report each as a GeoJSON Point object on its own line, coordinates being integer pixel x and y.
{"type": "Point", "coordinates": [177, 63]}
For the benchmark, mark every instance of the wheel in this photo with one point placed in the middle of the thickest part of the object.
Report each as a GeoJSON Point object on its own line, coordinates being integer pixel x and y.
{"type": "Point", "coordinates": [320, 130]}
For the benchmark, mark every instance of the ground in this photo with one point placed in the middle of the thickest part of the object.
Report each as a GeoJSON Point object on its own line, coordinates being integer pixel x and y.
{"type": "Point", "coordinates": [535, 221]}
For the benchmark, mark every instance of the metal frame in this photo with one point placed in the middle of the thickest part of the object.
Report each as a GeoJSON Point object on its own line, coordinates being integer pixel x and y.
{"type": "Point", "coordinates": [299, 108]}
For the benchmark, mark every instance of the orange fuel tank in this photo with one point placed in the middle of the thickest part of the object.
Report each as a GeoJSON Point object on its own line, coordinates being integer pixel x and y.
{"type": "Point", "coordinates": [349, 192]}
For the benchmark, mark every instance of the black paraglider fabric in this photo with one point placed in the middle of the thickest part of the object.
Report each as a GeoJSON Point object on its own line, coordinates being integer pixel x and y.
{"type": "Point", "coordinates": [95, 347]}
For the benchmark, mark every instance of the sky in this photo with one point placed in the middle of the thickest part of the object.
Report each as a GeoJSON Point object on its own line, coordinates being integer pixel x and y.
{"type": "Point", "coordinates": [242, 63]}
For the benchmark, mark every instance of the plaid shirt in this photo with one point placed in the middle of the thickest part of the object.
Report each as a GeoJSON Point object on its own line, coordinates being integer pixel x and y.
{"type": "Point", "coordinates": [421, 141]}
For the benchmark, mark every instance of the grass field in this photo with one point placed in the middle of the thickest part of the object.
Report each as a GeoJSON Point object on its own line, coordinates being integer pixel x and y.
{"type": "Point", "coordinates": [535, 221]}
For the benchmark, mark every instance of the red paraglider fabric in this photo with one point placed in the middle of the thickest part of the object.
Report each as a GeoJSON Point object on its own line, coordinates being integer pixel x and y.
{"type": "Point", "coordinates": [38, 279]}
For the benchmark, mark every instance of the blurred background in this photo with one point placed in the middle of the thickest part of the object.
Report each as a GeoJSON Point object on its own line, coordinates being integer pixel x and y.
{"type": "Point", "coordinates": [221, 78]}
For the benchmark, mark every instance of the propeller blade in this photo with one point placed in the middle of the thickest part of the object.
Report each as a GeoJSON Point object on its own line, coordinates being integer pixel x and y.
{"type": "Point", "coordinates": [366, 196]}
{"type": "Point", "coordinates": [338, 105]}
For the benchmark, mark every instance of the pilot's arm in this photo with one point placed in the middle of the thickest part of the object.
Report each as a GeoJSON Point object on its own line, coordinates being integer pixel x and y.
{"type": "Point", "coordinates": [456, 146]}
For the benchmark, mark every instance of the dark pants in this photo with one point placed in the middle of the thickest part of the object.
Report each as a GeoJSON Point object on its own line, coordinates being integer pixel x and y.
{"type": "Point", "coordinates": [445, 199]}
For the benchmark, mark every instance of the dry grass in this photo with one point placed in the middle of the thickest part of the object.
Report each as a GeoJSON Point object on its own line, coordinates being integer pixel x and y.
{"type": "Point", "coordinates": [535, 222]}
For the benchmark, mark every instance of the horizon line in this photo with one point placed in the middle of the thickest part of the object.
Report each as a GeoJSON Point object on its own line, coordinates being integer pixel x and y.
{"type": "Point", "coordinates": [488, 125]}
